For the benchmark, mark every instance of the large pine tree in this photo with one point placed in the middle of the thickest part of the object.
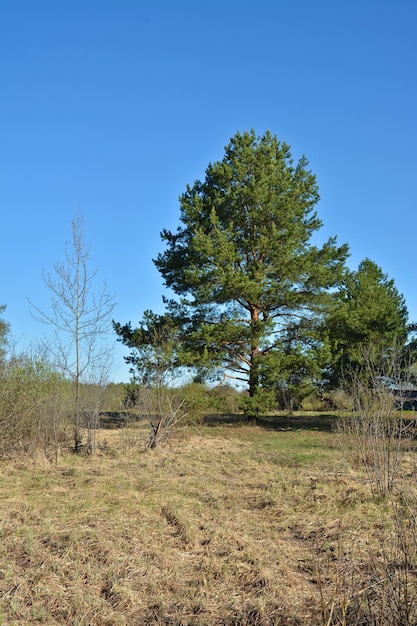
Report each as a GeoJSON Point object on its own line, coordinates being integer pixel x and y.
{"type": "Point", "coordinates": [242, 264]}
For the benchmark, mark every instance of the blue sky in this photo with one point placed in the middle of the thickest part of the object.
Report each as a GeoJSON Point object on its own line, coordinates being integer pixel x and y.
{"type": "Point", "coordinates": [115, 105]}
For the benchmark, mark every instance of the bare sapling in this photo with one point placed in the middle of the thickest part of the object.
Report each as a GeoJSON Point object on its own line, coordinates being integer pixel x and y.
{"type": "Point", "coordinates": [81, 318]}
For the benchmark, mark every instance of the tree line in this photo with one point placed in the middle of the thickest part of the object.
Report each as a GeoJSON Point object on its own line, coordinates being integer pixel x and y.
{"type": "Point", "coordinates": [256, 303]}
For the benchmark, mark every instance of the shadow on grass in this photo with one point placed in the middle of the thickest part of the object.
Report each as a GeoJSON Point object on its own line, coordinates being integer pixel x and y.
{"type": "Point", "coordinates": [117, 419]}
{"type": "Point", "coordinates": [283, 421]}
{"type": "Point", "coordinates": [297, 421]}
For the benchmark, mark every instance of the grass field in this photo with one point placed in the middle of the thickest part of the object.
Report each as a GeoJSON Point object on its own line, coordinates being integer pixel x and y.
{"type": "Point", "coordinates": [228, 524]}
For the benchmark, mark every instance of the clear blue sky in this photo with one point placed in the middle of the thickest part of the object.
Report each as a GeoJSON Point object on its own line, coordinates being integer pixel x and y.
{"type": "Point", "coordinates": [115, 105]}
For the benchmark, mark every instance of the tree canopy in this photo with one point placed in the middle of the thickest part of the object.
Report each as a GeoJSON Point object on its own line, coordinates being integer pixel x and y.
{"type": "Point", "coordinates": [242, 265]}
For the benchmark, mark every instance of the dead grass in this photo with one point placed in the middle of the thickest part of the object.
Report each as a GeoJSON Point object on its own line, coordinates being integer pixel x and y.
{"type": "Point", "coordinates": [227, 526]}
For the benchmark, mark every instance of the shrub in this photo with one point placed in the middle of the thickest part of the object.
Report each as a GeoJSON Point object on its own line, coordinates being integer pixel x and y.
{"type": "Point", "coordinates": [33, 408]}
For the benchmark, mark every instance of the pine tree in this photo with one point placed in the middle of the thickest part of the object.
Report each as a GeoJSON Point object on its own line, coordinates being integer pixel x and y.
{"type": "Point", "coordinates": [242, 264]}
{"type": "Point", "coordinates": [369, 313]}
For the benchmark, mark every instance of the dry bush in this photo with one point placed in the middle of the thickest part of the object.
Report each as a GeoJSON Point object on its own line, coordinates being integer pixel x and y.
{"type": "Point", "coordinates": [160, 411]}
{"type": "Point", "coordinates": [373, 582]}
{"type": "Point", "coordinates": [375, 431]}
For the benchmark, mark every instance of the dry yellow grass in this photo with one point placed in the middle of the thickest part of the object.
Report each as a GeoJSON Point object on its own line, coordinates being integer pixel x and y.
{"type": "Point", "coordinates": [223, 526]}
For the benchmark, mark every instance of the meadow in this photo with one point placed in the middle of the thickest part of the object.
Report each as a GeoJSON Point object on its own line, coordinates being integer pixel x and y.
{"type": "Point", "coordinates": [228, 523]}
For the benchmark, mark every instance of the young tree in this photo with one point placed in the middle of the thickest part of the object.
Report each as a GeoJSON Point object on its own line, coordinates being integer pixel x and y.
{"type": "Point", "coordinates": [81, 318]}
{"type": "Point", "coordinates": [154, 364]}
{"type": "Point", "coordinates": [242, 263]}
{"type": "Point", "coordinates": [369, 311]}
{"type": "Point", "coordinates": [153, 357]}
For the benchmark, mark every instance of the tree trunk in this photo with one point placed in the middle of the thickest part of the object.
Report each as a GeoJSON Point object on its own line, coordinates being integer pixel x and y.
{"type": "Point", "coordinates": [254, 352]}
